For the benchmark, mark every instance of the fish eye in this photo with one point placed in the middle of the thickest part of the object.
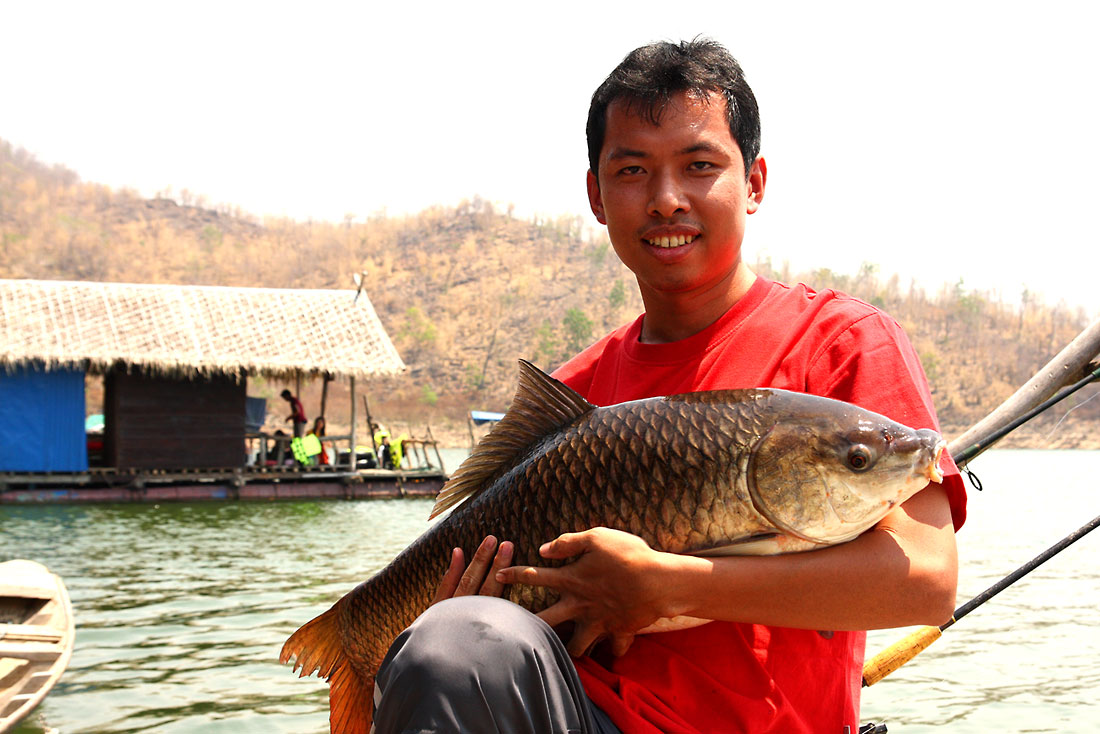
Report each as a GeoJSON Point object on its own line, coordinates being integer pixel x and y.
{"type": "Point", "coordinates": [859, 458]}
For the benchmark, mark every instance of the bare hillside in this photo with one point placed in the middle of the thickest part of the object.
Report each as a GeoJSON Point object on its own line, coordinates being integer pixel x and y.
{"type": "Point", "coordinates": [466, 291]}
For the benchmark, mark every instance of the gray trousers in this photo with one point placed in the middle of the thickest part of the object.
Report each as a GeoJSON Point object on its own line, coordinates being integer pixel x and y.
{"type": "Point", "coordinates": [482, 664]}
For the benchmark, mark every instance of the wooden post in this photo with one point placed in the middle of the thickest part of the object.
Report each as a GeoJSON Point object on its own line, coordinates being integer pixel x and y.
{"type": "Point", "coordinates": [435, 446]}
{"type": "Point", "coordinates": [370, 430]}
{"type": "Point", "coordinates": [352, 459]}
{"type": "Point", "coordinates": [325, 380]}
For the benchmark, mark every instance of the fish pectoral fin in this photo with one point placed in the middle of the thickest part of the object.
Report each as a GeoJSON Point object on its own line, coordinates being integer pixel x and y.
{"type": "Point", "coordinates": [670, 624]}
{"type": "Point", "coordinates": [762, 544]}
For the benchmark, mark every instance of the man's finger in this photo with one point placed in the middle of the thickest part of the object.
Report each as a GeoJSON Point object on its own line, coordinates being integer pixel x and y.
{"type": "Point", "coordinates": [530, 575]}
{"type": "Point", "coordinates": [557, 613]}
{"type": "Point", "coordinates": [565, 545]}
{"type": "Point", "coordinates": [471, 580]}
{"type": "Point", "coordinates": [584, 639]}
{"type": "Point", "coordinates": [620, 643]}
{"type": "Point", "coordinates": [450, 580]}
{"type": "Point", "coordinates": [491, 586]}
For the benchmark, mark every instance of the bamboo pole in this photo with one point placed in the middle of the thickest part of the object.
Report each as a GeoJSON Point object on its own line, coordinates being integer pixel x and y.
{"type": "Point", "coordinates": [1069, 365]}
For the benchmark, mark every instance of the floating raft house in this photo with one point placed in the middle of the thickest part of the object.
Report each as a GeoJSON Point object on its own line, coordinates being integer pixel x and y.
{"type": "Point", "coordinates": [175, 362]}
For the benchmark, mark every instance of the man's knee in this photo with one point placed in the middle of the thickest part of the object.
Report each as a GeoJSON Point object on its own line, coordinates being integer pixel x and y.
{"type": "Point", "coordinates": [479, 664]}
{"type": "Point", "coordinates": [467, 633]}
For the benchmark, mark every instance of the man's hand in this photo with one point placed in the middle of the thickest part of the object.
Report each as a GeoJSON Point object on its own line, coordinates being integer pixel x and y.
{"type": "Point", "coordinates": [610, 590]}
{"type": "Point", "coordinates": [480, 577]}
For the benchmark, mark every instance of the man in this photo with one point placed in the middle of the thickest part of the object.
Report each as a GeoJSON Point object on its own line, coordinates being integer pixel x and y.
{"type": "Point", "coordinates": [674, 173]}
{"type": "Point", "coordinates": [297, 412]}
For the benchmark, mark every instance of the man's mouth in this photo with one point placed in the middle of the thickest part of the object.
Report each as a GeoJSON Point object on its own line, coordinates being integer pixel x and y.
{"type": "Point", "coordinates": [673, 241]}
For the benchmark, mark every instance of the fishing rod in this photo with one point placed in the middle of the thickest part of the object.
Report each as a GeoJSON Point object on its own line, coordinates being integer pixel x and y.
{"type": "Point", "coordinates": [1076, 357]}
{"type": "Point", "coordinates": [901, 652]}
{"type": "Point", "coordinates": [963, 456]}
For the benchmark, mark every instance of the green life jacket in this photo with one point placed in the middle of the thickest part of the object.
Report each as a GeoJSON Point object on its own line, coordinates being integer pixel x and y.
{"type": "Point", "coordinates": [297, 447]}
{"type": "Point", "coordinates": [311, 444]}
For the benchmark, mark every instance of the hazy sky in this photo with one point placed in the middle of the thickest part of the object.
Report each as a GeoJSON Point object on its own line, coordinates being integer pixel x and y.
{"type": "Point", "coordinates": [943, 141]}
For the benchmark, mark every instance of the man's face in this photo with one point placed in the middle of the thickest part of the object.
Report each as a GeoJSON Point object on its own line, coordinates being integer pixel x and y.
{"type": "Point", "coordinates": [674, 196]}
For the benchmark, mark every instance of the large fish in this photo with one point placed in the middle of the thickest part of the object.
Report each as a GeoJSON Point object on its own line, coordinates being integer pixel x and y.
{"type": "Point", "coordinates": [734, 472]}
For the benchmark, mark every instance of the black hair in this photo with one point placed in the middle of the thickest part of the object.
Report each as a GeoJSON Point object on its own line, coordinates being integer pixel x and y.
{"type": "Point", "coordinates": [286, 394]}
{"type": "Point", "coordinates": [650, 76]}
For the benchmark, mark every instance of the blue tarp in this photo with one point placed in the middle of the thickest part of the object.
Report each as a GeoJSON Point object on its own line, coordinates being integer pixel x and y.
{"type": "Point", "coordinates": [255, 412]}
{"type": "Point", "coordinates": [42, 420]}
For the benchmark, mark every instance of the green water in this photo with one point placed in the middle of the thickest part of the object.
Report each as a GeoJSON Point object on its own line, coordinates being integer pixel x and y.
{"type": "Point", "coordinates": [181, 609]}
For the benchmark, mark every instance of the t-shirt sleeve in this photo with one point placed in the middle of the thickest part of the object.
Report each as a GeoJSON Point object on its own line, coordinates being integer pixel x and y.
{"type": "Point", "coordinates": [580, 371]}
{"type": "Point", "coordinates": [871, 363]}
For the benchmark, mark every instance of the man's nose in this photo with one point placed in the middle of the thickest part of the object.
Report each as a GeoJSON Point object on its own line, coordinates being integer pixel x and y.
{"type": "Point", "coordinates": [667, 196]}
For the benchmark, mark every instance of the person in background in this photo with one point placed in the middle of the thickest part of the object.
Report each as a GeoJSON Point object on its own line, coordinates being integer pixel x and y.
{"type": "Point", "coordinates": [385, 449]}
{"type": "Point", "coordinates": [318, 430]}
{"type": "Point", "coordinates": [297, 412]}
{"type": "Point", "coordinates": [385, 452]}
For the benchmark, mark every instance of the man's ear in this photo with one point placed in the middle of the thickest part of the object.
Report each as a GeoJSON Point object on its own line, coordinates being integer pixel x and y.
{"type": "Point", "coordinates": [758, 177]}
{"type": "Point", "coordinates": [595, 199]}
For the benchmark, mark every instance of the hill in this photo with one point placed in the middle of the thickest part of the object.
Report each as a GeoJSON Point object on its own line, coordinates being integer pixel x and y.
{"type": "Point", "coordinates": [465, 291]}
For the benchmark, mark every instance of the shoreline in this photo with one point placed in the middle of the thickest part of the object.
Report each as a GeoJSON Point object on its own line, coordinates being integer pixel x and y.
{"type": "Point", "coordinates": [1029, 436]}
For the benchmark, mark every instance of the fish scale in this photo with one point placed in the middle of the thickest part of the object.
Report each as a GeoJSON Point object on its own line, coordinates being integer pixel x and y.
{"type": "Point", "coordinates": [717, 473]}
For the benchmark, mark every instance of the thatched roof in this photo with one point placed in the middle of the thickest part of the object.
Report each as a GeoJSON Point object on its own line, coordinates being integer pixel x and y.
{"type": "Point", "coordinates": [192, 329]}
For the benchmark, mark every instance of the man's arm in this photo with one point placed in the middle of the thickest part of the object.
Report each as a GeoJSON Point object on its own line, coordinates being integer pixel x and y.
{"type": "Point", "coordinates": [901, 572]}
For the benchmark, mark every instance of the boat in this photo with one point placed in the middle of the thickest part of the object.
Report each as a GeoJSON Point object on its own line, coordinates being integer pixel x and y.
{"type": "Point", "coordinates": [36, 637]}
{"type": "Point", "coordinates": [479, 418]}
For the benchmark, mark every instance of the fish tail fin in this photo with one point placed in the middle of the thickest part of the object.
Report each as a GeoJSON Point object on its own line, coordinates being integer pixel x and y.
{"type": "Point", "coordinates": [316, 648]}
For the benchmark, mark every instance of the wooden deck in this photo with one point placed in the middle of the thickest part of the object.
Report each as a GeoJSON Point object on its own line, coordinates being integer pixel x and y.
{"type": "Point", "coordinates": [194, 485]}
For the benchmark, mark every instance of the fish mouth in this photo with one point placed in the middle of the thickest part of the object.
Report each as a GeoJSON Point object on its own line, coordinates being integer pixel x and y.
{"type": "Point", "coordinates": [933, 472]}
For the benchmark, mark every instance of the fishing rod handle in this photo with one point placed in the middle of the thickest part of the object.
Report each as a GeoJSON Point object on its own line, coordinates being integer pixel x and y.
{"type": "Point", "coordinates": [898, 654]}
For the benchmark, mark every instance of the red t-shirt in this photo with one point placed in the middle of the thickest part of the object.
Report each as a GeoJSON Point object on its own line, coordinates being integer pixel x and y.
{"type": "Point", "coordinates": [297, 412]}
{"type": "Point", "coordinates": [731, 677]}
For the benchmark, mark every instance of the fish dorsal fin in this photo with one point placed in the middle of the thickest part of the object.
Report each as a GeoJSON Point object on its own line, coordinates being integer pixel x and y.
{"type": "Point", "coordinates": [541, 406]}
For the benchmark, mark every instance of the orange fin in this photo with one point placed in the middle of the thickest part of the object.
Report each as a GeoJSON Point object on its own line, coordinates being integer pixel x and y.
{"type": "Point", "coordinates": [316, 648]}
{"type": "Point", "coordinates": [350, 702]}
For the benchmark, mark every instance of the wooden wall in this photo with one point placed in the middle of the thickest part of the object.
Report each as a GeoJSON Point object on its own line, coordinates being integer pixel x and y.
{"type": "Point", "coordinates": [158, 422]}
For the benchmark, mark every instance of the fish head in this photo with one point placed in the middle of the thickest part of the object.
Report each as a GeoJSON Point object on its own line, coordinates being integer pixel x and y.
{"type": "Point", "coordinates": [828, 470]}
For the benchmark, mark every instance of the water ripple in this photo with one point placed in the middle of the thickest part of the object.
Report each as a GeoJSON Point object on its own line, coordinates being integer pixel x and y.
{"type": "Point", "coordinates": [182, 609]}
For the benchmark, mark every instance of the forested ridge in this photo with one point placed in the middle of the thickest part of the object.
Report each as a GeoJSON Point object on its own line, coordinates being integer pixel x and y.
{"type": "Point", "coordinates": [466, 290]}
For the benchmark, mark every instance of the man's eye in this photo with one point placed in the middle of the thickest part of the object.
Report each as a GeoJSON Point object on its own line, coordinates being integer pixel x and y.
{"type": "Point", "coordinates": [701, 166]}
{"type": "Point", "coordinates": [630, 170]}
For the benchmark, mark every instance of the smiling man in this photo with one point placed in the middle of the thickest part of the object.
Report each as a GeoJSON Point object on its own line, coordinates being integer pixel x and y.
{"type": "Point", "coordinates": [675, 193]}
{"type": "Point", "coordinates": [675, 172]}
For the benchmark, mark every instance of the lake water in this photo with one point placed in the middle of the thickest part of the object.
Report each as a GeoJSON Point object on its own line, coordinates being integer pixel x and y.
{"type": "Point", "coordinates": [181, 609]}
